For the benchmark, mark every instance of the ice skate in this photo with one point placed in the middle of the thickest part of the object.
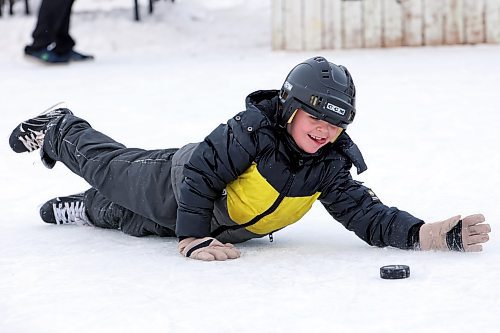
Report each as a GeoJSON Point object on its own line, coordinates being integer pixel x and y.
{"type": "Point", "coordinates": [28, 136]}
{"type": "Point", "coordinates": [65, 210]}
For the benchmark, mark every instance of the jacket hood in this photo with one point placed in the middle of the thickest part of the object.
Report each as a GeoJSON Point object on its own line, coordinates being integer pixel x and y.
{"type": "Point", "coordinates": [266, 101]}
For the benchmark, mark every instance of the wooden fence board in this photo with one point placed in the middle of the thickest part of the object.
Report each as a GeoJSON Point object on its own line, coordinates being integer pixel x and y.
{"type": "Point", "coordinates": [453, 22]}
{"type": "Point", "coordinates": [392, 23]}
{"type": "Point", "coordinates": [352, 22]}
{"type": "Point", "coordinates": [474, 22]}
{"type": "Point", "coordinates": [372, 23]}
{"type": "Point", "coordinates": [278, 41]}
{"type": "Point", "coordinates": [492, 21]}
{"type": "Point", "coordinates": [293, 25]}
{"type": "Point", "coordinates": [332, 24]}
{"type": "Point", "coordinates": [433, 33]}
{"type": "Point", "coordinates": [312, 24]}
{"type": "Point", "coordinates": [412, 22]}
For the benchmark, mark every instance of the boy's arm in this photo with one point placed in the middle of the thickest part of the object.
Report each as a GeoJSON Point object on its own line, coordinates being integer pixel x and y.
{"type": "Point", "coordinates": [224, 155]}
{"type": "Point", "coordinates": [360, 210]}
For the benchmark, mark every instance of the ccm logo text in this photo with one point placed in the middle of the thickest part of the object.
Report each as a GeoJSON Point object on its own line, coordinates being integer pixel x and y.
{"type": "Point", "coordinates": [335, 109]}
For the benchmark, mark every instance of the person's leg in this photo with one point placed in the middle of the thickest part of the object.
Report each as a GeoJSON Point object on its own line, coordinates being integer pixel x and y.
{"type": "Point", "coordinates": [136, 179]}
{"type": "Point", "coordinates": [93, 209]}
{"type": "Point", "coordinates": [106, 214]}
{"type": "Point", "coordinates": [48, 23]}
{"type": "Point", "coordinates": [63, 40]}
{"type": "Point", "coordinates": [50, 19]}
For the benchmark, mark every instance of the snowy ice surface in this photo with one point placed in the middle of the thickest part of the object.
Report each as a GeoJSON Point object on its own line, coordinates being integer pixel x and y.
{"type": "Point", "coordinates": [427, 124]}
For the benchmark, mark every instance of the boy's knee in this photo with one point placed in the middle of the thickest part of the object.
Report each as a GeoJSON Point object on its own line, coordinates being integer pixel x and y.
{"type": "Point", "coordinates": [139, 226]}
{"type": "Point", "coordinates": [102, 212]}
{"type": "Point", "coordinates": [106, 214]}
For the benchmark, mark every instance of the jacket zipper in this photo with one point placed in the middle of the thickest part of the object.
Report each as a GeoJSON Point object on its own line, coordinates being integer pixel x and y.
{"type": "Point", "coordinates": [257, 218]}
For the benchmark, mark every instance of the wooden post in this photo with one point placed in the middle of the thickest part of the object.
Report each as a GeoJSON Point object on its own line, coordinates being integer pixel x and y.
{"type": "Point", "coordinates": [136, 10]}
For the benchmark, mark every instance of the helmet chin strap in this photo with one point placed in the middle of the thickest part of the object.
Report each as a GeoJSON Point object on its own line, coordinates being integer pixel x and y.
{"type": "Point", "coordinates": [337, 136]}
{"type": "Point", "coordinates": [292, 116]}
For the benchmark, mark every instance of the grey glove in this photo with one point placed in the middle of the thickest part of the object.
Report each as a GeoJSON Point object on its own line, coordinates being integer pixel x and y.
{"type": "Point", "coordinates": [455, 234]}
{"type": "Point", "coordinates": [207, 249]}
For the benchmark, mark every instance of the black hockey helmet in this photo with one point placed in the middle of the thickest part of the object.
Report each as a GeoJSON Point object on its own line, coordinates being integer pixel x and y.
{"type": "Point", "coordinates": [320, 88]}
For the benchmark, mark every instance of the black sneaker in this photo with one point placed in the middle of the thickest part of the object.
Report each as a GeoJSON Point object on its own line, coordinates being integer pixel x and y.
{"type": "Point", "coordinates": [77, 56]}
{"type": "Point", "coordinates": [65, 210]}
{"type": "Point", "coordinates": [28, 136]}
{"type": "Point", "coordinates": [47, 56]}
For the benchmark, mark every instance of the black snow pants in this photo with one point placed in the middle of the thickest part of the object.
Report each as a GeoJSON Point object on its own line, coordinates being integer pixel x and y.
{"type": "Point", "coordinates": [53, 26]}
{"type": "Point", "coordinates": [131, 187]}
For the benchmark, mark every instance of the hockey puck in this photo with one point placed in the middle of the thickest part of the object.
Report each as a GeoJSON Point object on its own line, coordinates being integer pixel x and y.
{"type": "Point", "coordinates": [393, 272]}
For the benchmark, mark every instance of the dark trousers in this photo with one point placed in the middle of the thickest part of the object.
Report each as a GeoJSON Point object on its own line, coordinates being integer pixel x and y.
{"type": "Point", "coordinates": [131, 187]}
{"type": "Point", "coordinates": [53, 26]}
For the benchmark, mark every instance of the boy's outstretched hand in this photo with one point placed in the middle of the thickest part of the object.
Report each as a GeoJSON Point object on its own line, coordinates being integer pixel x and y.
{"type": "Point", "coordinates": [455, 234]}
{"type": "Point", "coordinates": [207, 249]}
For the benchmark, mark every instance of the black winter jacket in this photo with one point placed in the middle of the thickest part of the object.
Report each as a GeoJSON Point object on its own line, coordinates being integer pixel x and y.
{"type": "Point", "coordinates": [248, 179]}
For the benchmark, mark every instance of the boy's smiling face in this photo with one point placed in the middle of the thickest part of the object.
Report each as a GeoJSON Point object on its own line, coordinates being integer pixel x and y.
{"type": "Point", "coordinates": [311, 133]}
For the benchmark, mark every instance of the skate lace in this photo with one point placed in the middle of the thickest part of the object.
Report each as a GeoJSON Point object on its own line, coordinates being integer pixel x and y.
{"type": "Point", "coordinates": [70, 213]}
{"type": "Point", "coordinates": [33, 140]}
